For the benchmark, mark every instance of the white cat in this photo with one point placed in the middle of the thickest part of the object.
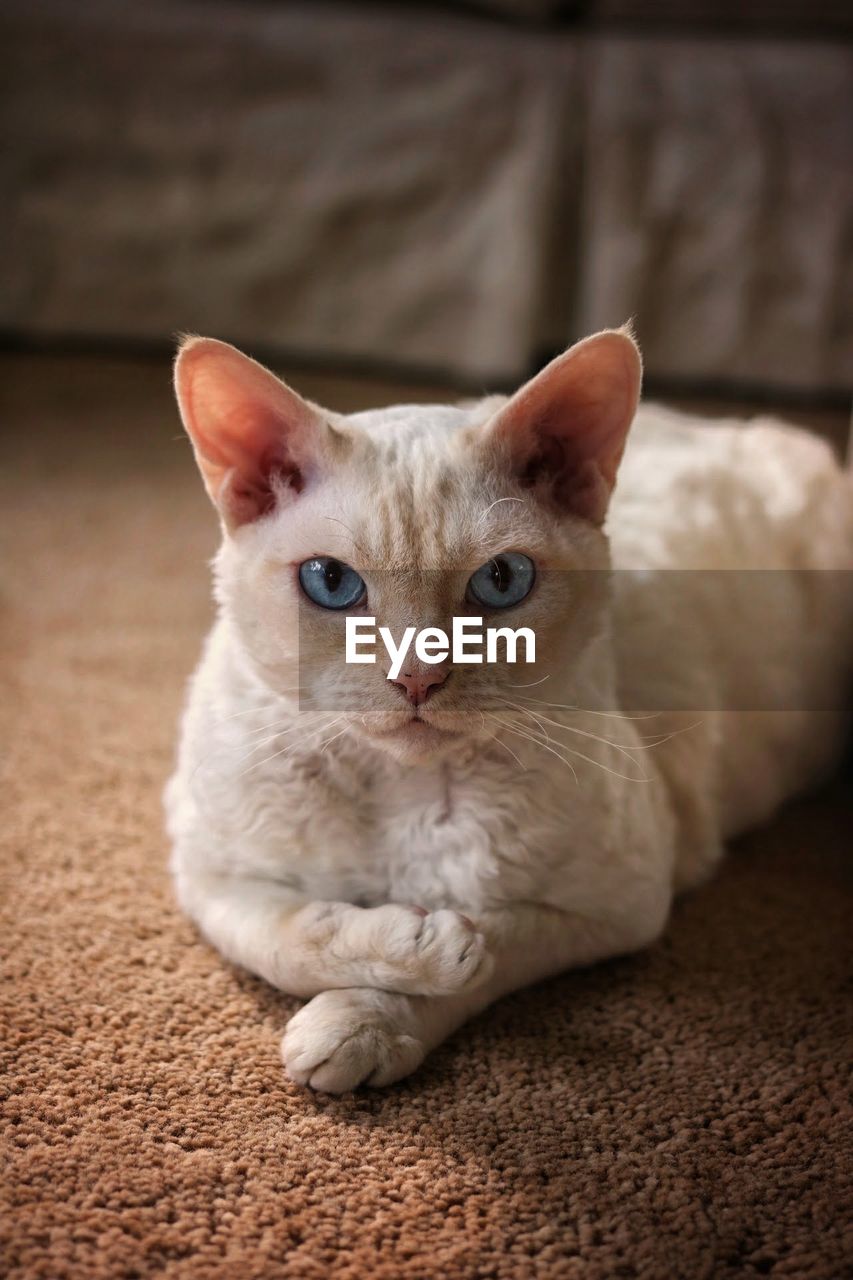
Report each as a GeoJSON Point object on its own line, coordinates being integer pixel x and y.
{"type": "Point", "coordinates": [403, 853]}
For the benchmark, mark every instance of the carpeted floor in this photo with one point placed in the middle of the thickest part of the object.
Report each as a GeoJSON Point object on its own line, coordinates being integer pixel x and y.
{"type": "Point", "coordinates": [680, 1114]}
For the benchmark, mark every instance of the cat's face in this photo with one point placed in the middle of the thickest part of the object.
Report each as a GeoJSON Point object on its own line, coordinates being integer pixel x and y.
{"type": "Point", "coordinates": [412, 516]}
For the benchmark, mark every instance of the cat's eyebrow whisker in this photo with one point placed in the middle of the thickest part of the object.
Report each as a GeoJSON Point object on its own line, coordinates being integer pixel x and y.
{"type": "Point", "coordinates": [483, 514]}
{"type": "Point", "coordinates": [355, 542]}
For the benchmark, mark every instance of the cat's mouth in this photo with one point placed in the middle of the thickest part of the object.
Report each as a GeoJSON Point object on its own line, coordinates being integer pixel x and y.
{"type": "Point", "coordinates": [418, 725]}
{"type": "Point", "coordinates": [415, 735]}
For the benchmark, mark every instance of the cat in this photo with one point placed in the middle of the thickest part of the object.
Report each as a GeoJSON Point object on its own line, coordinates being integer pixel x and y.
{"type": "Point", "coordinates": [403, 853]}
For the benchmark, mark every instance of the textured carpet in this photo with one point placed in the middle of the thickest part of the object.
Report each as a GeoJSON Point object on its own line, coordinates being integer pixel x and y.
{"type": "Point", "coordinates": [682, 1113]}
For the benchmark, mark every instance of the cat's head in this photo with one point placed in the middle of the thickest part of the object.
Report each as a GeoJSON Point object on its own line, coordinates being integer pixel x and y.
{"type": "Point", "coordinates": [411, 515]}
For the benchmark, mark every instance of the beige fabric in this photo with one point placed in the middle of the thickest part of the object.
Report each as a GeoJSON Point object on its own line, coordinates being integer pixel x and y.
{"type": "Point", "coordinates": [679, 1114]}
{"type": "Point", "coordinates": [419, 186]}
{"type": "Point", "coordinates": [338, 180]}
{"type": "Point", "coordinates": [718, 194]}
{"type": "Point", "coordinates": [788, 17]}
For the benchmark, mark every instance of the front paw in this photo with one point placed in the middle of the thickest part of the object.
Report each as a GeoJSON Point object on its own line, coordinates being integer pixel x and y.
{"type": "Point", "coordinates": [423, 953]}
{"type": "Point", "coordinates": [343, 1039]}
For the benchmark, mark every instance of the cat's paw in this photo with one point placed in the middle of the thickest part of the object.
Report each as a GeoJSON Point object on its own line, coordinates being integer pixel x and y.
{"type": "Point", "coordinates": [395, 948]}
{"type": "Point", "coordinates": [425, 953]}
{"type": "Point", "coordinates": [343, 1039]}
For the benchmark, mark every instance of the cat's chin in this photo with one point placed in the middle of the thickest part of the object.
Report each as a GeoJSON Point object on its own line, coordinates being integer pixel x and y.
{"type": "Point", "coordinates": [415, 740]}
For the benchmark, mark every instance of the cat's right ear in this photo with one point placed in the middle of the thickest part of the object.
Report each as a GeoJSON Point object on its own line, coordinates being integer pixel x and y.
{"type": "Point", "coordinates": [255, 439]}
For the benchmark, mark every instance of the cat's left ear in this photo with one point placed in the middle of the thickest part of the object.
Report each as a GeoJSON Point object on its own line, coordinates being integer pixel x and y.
{"type": "Point", "coordinates": [565, 429]}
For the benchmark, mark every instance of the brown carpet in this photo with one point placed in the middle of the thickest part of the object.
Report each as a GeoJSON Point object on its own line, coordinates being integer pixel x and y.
{"type": "Point", "coordinates": [680, 1114]}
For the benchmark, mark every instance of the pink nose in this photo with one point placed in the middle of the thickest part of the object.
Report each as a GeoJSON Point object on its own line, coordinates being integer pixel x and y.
{"type": "Point", "coordinates": [418, 687]}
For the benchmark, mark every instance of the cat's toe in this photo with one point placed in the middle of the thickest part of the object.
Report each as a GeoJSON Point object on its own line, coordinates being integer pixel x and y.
{"type": "Point", "coordinates": [343, 1039]}
{"type": "Point", "coordinates": [452, 953]}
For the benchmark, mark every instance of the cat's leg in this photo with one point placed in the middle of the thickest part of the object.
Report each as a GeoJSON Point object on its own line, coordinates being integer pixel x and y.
{"type": "Point", "coordinates": [342, 1039]}
{"type": "Point", "coordinates": [304, 946]}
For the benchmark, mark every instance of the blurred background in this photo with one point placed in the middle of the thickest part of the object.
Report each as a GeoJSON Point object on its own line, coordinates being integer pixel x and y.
{"type": "Point", "coordinates": [445, 191]}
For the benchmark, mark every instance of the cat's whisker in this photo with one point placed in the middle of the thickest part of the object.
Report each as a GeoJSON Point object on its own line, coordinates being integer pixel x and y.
{"type": "Point", "coordinates": [538, 719]}
{"type": "Point", "coordinates": [531, 684]}
{"type": "Point", "coordinates": [264, 707]}
{"type": "Point", "coordinates": [334, 738]}
{"type": "Point", "coordinates": [247, 711]}
{"type": "Point", "coordinates": [536, 740]}
{"type": "Point", "coordinates": [286, 720]}
{"type": "Point", "coordinates": [222, 749]}
{"type": "Point", "coordinates": [522, 733]}
{"type": "Point", "coordinates": [290, 747]}
{"type": "Point", "coordinates": [279, 734]}
{"type": "Point", "coordinates": [623, 748]}
{"type": "Point", "coordinates": [589, 759]}
{"type": "Point", "coordinates": [647, 743]}
{"type": "Point", "coordinates": [588, 711]}
{"type": "Point", "coordinates": [500, 742]}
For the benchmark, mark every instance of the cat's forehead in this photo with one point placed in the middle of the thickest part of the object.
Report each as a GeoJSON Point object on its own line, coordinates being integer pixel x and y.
{"type": "Point", "coordinates": [422, 485]}
{"type": "Point", "coordinates": [401, 428]}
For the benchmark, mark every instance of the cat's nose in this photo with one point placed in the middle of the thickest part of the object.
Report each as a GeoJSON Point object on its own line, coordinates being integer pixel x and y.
{"type": "Point", "coordinates": [418, 686]}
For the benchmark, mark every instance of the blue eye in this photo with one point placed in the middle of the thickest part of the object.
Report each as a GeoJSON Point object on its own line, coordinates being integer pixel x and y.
{"type": "Point", "coordinates": [502, 581]}
{"type": "Point", "coordinates": [330, 584]}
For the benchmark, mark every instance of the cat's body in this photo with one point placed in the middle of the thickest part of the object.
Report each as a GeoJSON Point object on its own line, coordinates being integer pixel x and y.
{"type": "Point", "coordinates": [537, 836]}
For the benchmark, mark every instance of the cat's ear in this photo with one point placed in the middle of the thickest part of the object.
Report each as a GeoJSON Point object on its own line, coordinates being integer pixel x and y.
{"type": "Point", "coordinates": [254, 438]}
{"type": "Point", "coordinates": [565, 429]}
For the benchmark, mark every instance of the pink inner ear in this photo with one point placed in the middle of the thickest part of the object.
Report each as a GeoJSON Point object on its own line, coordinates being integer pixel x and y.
{"type": "Point", "coordinates": [248, 451]}
{"type": "Point", "coordinates": [567, 427]}
{"type": "Point", "coordinates": [575, 480]}
{"type": "Point", "coordinates": [252, 435]}
{"type": "Point", "coordinates": [248, 495]}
